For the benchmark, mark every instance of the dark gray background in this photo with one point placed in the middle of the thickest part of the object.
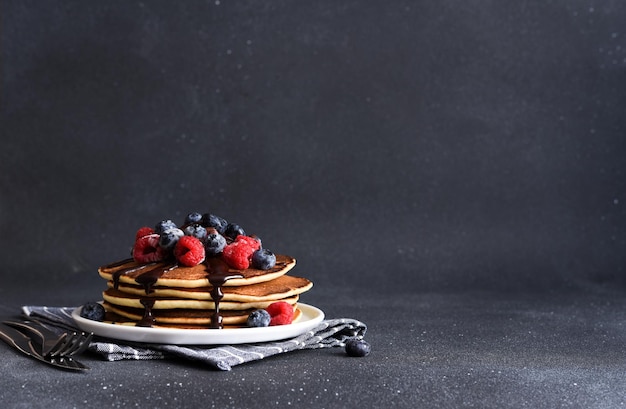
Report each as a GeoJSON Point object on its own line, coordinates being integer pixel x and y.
{"type": "Point", "coordinates": [402, 151]}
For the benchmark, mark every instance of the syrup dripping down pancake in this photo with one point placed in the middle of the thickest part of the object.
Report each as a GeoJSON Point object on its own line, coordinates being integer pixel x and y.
{"type": "Point", "coordinates": [117, 297]}
{"type": "Point", "coordinates": [181, 318]}
{"type": "Point", "coordinates": [279, 288]}
{"type": "Point", "coordinates": [173, 275]}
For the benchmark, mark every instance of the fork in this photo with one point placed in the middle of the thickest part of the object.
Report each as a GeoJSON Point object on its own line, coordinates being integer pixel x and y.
{"type": "Point", "coordinates": [48, 339]}
{"type": "Point", "coordinates": [73, 343]}
{"type": "Point", "coordinates": [66, 362]}
{"type": "Point", "coordinates": [53, 344]}
{"type": "Point", "coordinates": [24, 344]}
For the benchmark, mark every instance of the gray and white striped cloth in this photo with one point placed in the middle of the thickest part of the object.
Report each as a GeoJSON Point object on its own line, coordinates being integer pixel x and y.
{"type": "Point", "coordinates": [329, 333]}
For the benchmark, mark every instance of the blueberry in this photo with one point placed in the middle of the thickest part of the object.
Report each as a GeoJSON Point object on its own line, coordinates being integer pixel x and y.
{"type": "Point", "coordinates": [164, 225]}
{"type": "Point", "coordinates": [170, 237]}
{"type": "Point", "coordinates": [357, 347]}
{"type": "Point", "coordinates": [214, 243]}
{"type": "Point", "coordinates": [92, 311]}
{"type": "Point", "coordinates": [263, 259]}
{"type": "Point", "coordinates": [211, 220]}
{"type": "Point", "coordinates": [233, 230]}
{"type": "Point", "coordinates": [259, 318]}
{"type": "Point", "coordinates": [196, 231]}
{"type": "Point", "coordinates": [193, 218]}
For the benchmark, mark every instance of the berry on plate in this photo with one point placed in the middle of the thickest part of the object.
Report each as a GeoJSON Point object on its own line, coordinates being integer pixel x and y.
{"type": "Point", "coordinates": [193, 218]}
{"type": "Point", "coordinates": [147, 249]}
{"type": "Point", "coordinates": [263, 259]}
{"type": "Point", "coordinates": [164, 225]}
{"type": "Point", "coordinates": [214, 242]}
{"type": "Point", "coordinates": [259, 318]}
{"type": "Point", "coordinates": [233, 230]}
{"type": "Point", "coordinates": [281, 313]}
{"type": "Point", "coordinates": [170, 237]}
{"type": "Point", "coordinates": [253, 242]}
{"type": "Point", "coordinates": [92, 311]}
{"type": "Point", "coordinates": [237, 255]}
{"type": "Point", "coordinates": [144, 231]}
{"type": "Point", "coordinates": [211, 220]}
{"type": "Point", "coordinates": [189, 251]}
{"type": "Point", "coordinates": [196, 231]}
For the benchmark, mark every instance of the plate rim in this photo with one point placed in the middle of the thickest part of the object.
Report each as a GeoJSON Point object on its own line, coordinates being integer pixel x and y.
{"type": "Point", "coordinates": [207, 336]}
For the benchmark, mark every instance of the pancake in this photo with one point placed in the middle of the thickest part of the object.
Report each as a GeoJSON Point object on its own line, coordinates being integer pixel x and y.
{"type": "Point", "coordinates": [117, 297]}
{"type": "Point", "coordinates": [167, 274]}
{"type": "Point", "coordinates": [277, 289]}
{"type": "Point", "coordinates": [206, 273]}
{"type": "Point", "coordinates": [182, 318]}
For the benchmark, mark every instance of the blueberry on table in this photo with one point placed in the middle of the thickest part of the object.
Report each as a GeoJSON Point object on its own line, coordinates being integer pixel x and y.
{"type": "Point", "coordinates": [92, 311]}
{"type": "Point", "coordinates": [357, 347]}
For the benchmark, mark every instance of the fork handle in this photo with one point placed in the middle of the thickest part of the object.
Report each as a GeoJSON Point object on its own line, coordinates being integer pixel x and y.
{"type": "Point", "coordinates": [45, 338]}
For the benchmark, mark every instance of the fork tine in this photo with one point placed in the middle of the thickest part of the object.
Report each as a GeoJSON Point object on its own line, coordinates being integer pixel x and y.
{"type": "Point", "coordinates": [53, 346]}
{"type": "Point", "coordinates": [63, 363]}
{"type": "Point", "coordinates": [51, 350]}
{"type": "Point", "coordinates": [66, 362]}
{"type": "Point", "coordinates": [84, 343]}
{"type": "Point", "coordinates": [71, 363]}
{"type": "Point", "coordinates": [81, 343]}
{"type": "Point", "coordinates": [76, 343]}
{"type": "Point", "coordinates": [63, 345]}
{"type": "Point", "coordinates": [73, 345]}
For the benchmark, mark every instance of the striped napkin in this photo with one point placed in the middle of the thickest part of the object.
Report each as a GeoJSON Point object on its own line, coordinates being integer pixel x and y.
{"type": "Point", "coordinates": [328, 334]}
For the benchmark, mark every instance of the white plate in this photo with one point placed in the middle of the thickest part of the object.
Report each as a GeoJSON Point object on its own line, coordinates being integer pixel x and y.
{"type": "Point", "coordinates": [311, 316]}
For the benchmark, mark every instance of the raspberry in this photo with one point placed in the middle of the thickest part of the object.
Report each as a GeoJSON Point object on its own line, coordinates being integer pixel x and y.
{"type": "Point", "coordinates": [147, 249]}
{"type": "Point", "coordinates": [281, 313]}
{"type": "Point", "coordinates": [189, 251]}
{"type": "Point", "coordinates": [144, 231]}
{"type": "Point", "coordinates": [237, 255]}
{"type": "Point", "coordinates": [250, 241]}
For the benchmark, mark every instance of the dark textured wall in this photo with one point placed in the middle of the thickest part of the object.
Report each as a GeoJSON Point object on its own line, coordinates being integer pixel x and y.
{"type": "Point", "coordinates": [404, 145]}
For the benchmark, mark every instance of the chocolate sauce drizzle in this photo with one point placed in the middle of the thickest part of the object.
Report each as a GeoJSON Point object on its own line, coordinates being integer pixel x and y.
{"type": "Point", "coordinates": [147, 320]}
{"type": "Point", "coordinates": [217, 273]}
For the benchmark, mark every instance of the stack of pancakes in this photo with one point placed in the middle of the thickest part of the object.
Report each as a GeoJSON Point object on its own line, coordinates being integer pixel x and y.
{"type": "Point", "coordinates": [172, 295]}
